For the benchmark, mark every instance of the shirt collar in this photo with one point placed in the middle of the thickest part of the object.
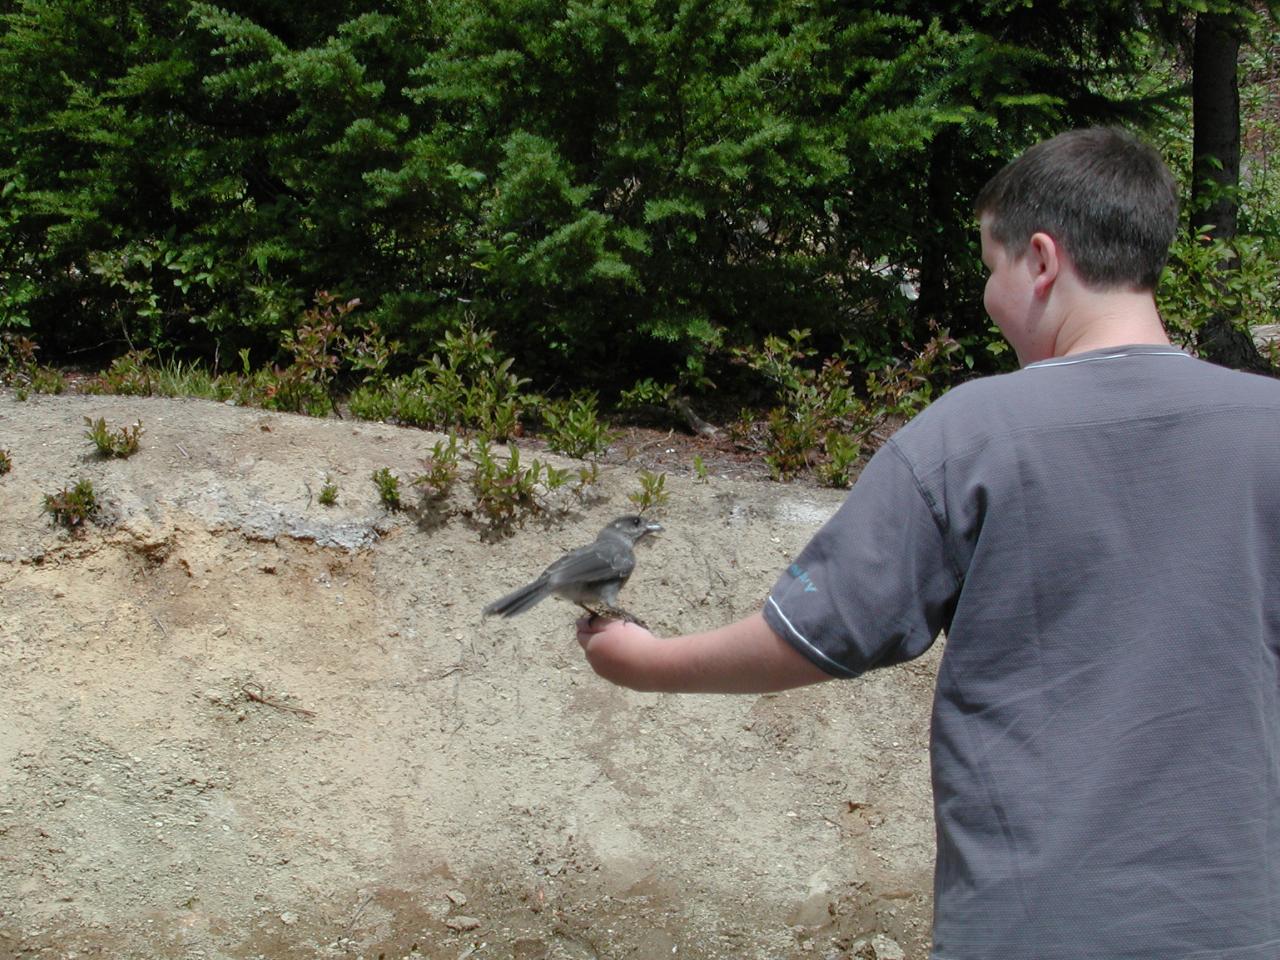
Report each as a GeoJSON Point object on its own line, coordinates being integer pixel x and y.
{"type": "Point", "coordinates": [1112, 353]}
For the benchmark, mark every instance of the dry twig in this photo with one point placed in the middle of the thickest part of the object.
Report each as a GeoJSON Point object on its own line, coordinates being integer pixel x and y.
{"type": "Point", "coordinates": [255, 693]}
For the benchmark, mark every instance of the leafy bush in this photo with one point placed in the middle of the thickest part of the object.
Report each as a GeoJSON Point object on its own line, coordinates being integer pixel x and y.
{"type": "Point", "coordinates": [822, 424]}
{"type": "Point", "coordinates": [328, 492]}
{"type": "Point", "coordinates": [503, 489]}
{"type": "Point", "coordinates": [120, 443]}
{"type": "Point", "coordinates": [467, 384]}
{"type": "Point", "coordinates": [816, 403]}
{"type": "Point", "coordinates": [440, 468]}
{"type": "Point", "coordinates": [388, 485]}
{"type": "Point", "coordinates": [129, 375]}
{"type": "Point", "coordinates": [19, 368]}
{"type": "Point", "coordinates": [1206, 278]}
{"type": "Point", "coordinates": [573, 426]}
{"type": "Point", "coordinates": [609, 185]}
{"type": "Point", "coordinates": [652, 492]}
{"type": "Point", "coordinates": [73, 506]}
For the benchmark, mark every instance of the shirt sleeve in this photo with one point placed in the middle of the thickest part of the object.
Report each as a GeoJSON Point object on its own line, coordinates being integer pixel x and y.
{"type": "Point", "coordinates": [874, 586]}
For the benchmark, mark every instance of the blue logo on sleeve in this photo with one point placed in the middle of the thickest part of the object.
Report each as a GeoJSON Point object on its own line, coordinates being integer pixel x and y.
{"type": "Point", "coordinates": [803, 576]}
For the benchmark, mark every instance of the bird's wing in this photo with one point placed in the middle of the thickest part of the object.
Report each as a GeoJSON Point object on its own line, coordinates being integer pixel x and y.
{"type": "Point", "coordinates": [591, 563]}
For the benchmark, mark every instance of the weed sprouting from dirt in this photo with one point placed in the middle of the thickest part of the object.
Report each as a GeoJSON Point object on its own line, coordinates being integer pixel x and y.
{"type": "Point", "coordinates": [328, 492]}
{"type": "Point", "coordinates": [113, 443]}
{"type": "Point", "coordinates": [388, 485]}
{"type": "Point", "coordinates": [440, 469]}
{"type": "Point", "coordinates": [652, 492]}
{"type": "Point", "coordinates": [72, 506]}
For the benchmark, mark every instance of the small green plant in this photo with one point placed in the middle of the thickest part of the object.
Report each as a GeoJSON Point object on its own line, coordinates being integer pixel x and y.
{"type": "Point", "coordinates": [48, 380]}
{"type": "Point", "coordinates": [843, 453]}
{"type": "Point", "coordinates": [176, 378]}
{"type": "Point", "coordinates": [652, 492]}
{"type": "Point", "coordinates": [553, 478]}
{"type": "Point", "coordinates": [113, 443]}
{"type": "Point", "coordinates": [305, 386]}
{"type": "Point", "coordinates": [1207, 276]}
{"type": "Point", "coordinates": [74, 506]}
{"type": "Point", "coordinates": [369, 352]}
{"type": "Point", "coordinates": [588, 479]}
{"type": "Point", "coordinates": [699, 469]}
{"type": "Point", "coordinates": [466, 385]}
{"type": "Point", "coordinates": [647, 393]}
{"type": "Point", "coordinates": [814, 401]}
{"type": "Point", "coordinates": [6, 462]}
{"type": "Point", "coordinates": [1271, 354]}
{"type": "Point", "coordinates": [790, 441]}
{"type": "Point", "coordinates": [904, 388]}
{"type": "Point", "coordinates": [18, 367]}
{"type": "Point", "coordinates": [440, 469]}
{"type": "Point", "coordinates": [821, 424]}
{"type": "Point", "coordinates": [17, 356]}
{"type": "Point", "coordinates": [388, 485]}
{"type": "Point", "coordinates": [128, 375]}
{"type": "Point", "coordinates": [574, 427]}
{"type": "Point", "coordinates": [328, 492]}
{"type": "Point", "coordinates": [504, 491]}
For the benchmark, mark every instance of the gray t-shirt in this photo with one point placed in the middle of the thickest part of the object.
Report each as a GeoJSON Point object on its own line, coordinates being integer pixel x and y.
{"type": "Point", "coordinates": [1099, 536]}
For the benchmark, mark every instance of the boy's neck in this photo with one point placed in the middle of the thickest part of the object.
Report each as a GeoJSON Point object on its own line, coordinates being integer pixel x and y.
{"type": "Point", "coordinates": [1108, 319]}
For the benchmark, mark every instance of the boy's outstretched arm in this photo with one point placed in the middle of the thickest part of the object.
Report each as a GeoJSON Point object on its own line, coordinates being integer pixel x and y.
{"type": "Point", "coordinates": [743, 657]}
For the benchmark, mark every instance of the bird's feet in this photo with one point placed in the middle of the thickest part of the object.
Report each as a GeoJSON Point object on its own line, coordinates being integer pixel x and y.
{"type": "Point", "coordinates": [614, 613]}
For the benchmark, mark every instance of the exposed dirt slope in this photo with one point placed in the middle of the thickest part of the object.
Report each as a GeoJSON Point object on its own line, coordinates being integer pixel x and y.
{"type": "Point", "coordinates": [240, 724]}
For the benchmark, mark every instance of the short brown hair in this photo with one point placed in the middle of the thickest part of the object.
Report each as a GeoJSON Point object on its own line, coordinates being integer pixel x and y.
{"type": "Point", "coordinates": [1101, 193]}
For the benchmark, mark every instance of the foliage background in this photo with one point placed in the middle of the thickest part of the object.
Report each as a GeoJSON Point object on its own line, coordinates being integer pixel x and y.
{"type": "Point", "coordinates": [616, 188]}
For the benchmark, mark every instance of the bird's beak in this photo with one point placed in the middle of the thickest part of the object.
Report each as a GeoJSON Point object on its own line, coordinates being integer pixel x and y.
{"type": "Point", "coordinates": [652, 526]}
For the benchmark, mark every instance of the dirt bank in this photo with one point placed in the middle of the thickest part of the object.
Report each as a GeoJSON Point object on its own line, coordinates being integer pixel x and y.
{"type": "Point", "coordinates": [240, 724]}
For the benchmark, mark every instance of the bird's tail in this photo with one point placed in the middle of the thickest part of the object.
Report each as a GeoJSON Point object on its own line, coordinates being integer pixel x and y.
{"type": "Point", "coordinates": [518, 601]}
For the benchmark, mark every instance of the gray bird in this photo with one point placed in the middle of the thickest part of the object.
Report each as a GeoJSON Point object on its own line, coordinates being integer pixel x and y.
{"type": "Point", "coordinates": [589, 576]}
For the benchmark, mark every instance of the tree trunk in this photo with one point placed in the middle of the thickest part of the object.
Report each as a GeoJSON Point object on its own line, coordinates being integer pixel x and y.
{"type": "Point", "coordinates": [1215, 169]}
{"type": "Point", "coordinates": [934, 300]}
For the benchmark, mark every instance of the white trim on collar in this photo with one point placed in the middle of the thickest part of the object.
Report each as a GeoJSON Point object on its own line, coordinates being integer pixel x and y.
{"type": "Point", "coordinates": [1068, 361]}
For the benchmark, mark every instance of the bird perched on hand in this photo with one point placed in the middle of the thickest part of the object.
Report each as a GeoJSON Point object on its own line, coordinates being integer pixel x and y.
{"type": "Point", "coordinates": [589, 576]}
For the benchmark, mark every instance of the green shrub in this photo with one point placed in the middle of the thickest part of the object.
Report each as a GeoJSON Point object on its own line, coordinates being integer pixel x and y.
{"type": "Point", "coordinates": [388, 485]}
{"type": "Point", "coordinates": [129, 375]}
{"type": "Point", "coordinates": [440, 469]}
{"type": "Point", "coordinates": [822, 425]}
{"type": "Point", "coordinates": [652, 492]}
{"type": "Point", "coordinates": [573, 427]}
{"type": "Point", "coordinates": [73, 506]}
{"type": "Point", "coordinates": [120, 443]}
{"type": "Point", "coordinates": [328, 492]}
{"type": "Point", "coordinates": [466, 385]}
{"type": "Point", "coordinates": [504, 490]}
{"type": "Point", "coordinates": [1201, 283]}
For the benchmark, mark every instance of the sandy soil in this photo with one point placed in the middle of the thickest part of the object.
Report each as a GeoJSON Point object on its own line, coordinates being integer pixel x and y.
{"type": "Point", "coordinates": [239, 724]}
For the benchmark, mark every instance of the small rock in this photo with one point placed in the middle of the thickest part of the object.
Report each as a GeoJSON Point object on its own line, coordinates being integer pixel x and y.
{"type": "Point", "coordinates": [461, 923]}
{"type": "Point", "coordinates": [457, 898]}
{"type": "Point", "coordinates": [288, 918]}
{"type": "Point", "coordinates": [529, 948]}
{"type": "Point", "coordinates": [878, 947]}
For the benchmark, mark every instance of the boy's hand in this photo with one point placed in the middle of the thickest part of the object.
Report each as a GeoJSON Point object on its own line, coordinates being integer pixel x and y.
{"type": "Point", "coordinates": [617, 650]}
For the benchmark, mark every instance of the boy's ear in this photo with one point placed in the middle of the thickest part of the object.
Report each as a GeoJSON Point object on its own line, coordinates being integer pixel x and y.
{"type": "Point", "coordinates": [1045, 262]}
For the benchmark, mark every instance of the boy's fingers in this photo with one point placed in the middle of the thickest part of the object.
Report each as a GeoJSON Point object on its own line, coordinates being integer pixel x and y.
{"type": "Point", "coordinates": [589, 626]}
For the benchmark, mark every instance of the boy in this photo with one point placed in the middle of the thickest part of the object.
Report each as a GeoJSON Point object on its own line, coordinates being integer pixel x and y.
{"type": "Point", "coordinates": [1099, 536]}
